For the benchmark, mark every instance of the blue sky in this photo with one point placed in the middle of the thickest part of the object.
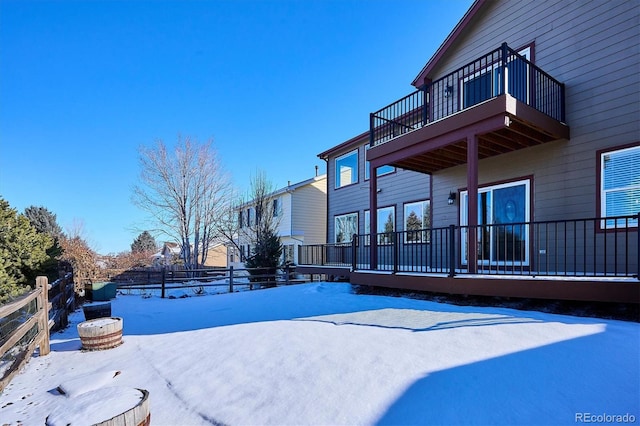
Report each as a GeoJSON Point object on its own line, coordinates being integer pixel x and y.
{"type": "Point", "coordinates": [83, 84]}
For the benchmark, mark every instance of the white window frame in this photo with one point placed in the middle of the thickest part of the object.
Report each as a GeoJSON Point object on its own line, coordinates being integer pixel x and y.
{"type": "Point", "coordinates": [634, 186]}
{"type": "Point", "coordinates": [382, 239]}
{"type": "Point", "coordinates": [383, 213]}
{"type": "Point", "coordinates": [354, 175]}
{"type": "Point", "coordinates": [425, 236]}
{"type": "Point", "coordinates": [338, 218]}
{"type": "Point", "coordinates": [288, 253]}
{"type": "Point", "coordinates": [367, 227]}
{"type": "Point", "coordinates": [464, 221]}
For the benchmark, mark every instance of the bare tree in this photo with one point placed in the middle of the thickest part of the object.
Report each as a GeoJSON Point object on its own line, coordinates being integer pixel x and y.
{"type": "Point", "coordinates": [252, 217]}
{"type": "Point", "coordinates": [185, 192]}
{"type": "Point", "coordinates": [77, 252]}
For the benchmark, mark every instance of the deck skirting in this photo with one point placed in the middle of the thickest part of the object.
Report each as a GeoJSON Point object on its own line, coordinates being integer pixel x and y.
{"type": "Point", "coordinates": [622, 290]}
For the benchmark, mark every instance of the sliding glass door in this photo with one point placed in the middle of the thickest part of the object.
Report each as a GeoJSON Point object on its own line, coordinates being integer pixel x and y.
{"type": "Point", "coordinates": [502, 232]}
{"type": "Point", "coordinates": [486, 83]}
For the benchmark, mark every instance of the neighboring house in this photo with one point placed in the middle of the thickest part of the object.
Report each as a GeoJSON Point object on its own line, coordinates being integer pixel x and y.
{"type": "Point", "coordinates": [301, 213]}
{"type": "Point", "coordinates": [168, 255]}
{"type": "Point", "coordinates": [216, 256]}
{"type": "Point", "coordinates": [171, 254]}
{"type": "Point", "coordinates": [521, 137]}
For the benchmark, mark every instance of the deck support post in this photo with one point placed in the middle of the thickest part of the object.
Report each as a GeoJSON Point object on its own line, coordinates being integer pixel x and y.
{"type": "Point", "coordinates": [472, 204]}
{"type": "Point", "coordinates": [373, 217]}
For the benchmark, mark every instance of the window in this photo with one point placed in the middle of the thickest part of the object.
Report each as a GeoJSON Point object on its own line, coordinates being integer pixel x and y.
{"type": "Point", "coordinates": [503, 213]}
{"type": "Point", "coordinates": [276, 207]}
{"type": "Point", "coordinates": [416, 220]}
{"type": "Point", "coordinates": [347, 169]}
{"type": "Point", "coordinates": [287, 253]}
{"type": "Point", "coordinates": [346, 226]}
{"type": "Point", "coordinates": [250, 217]}
{"type": "Point", "coordinates": [386, 225]}
{"type": "Point", "coordinates": [367, 227]}
{"type": "Point", "coordinates": [240, 221]}
{"type": "Point", "coordinates": [620, 186]}
{"type": "Point", "coordinates": [485, 84]}
{"type": "Point", "coordinates": [380, 170]}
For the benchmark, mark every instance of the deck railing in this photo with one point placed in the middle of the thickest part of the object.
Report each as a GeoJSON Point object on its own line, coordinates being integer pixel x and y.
{"type": "Point", "coordinates": [593, 247]}
{"type": "Point", "coordinates": [338, 254]}
{"type": "Point", "coordinates": [500, 71]}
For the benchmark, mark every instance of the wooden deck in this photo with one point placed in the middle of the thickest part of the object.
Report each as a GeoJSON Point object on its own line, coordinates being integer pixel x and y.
{"type": "Point", "coordinates": [579, 288]}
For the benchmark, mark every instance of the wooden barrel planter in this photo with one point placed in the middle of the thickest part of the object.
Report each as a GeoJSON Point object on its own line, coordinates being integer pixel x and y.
{"type": "Point", "coordinates": [110, 406]}
{"type": "Point", "coordinates": [100, 333]}
{"type": "Point", "coordinates": [138, 415]}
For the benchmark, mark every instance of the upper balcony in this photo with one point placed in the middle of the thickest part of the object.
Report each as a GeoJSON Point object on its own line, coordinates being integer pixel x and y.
{"type": "Point", "coordinates": [503, 98]}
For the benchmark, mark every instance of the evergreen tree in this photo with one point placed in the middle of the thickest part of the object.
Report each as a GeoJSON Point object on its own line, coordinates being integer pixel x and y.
{"type": "Point", "coordinates": [387, 237]}
{"type": "Point", "coordinates": [413, 224]}
{"type": "Point", "coordinates": [144, 243]}
{"type": "Point", "coordinates": [22, 251]}
{"type": "Point", "coordinates": [46, 222]}
{"type": "Point", "coordinates": [43, 220]}
{"type": "Point", "coordinates": [265, 257]}
{"type": "Point", "coordinates": [388, 225]}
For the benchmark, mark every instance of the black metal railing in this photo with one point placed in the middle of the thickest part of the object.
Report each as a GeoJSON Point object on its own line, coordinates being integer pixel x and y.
{"type": "Point", "coordinates": [498, 72]}
{"type": "Point", "coordinates": [339, 254]}
{"type": "Point", "coordinates": [594, 247]}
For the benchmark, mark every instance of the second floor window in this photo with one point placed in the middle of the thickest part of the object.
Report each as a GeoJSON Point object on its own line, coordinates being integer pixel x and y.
{"type": "Point", "coordinates": [380, 170]}
{"type": "Point", "coordinates": [276, 207]}
{"type": "Point", "coordinates": [347, 169]}
{"type": "Point", "coordinates": [250, 217]}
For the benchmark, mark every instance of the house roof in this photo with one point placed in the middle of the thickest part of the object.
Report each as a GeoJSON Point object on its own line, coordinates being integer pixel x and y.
{"type": "Point", "coordinates": [353, 142]}
{"type": "Point", "coordinates": [171, 247]}
{"type": "Point", "coordinates": [288, 188]}
{"type": "Point", "coordinates": [448, 42]}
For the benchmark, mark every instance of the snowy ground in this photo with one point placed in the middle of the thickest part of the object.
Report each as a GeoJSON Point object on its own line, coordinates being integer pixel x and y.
{"type": "Point", "coordinates": [319, 354]}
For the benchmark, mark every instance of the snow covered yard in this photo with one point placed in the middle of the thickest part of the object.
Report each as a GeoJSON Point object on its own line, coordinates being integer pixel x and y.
{"type": "Point", "coordinates": [319, 354]}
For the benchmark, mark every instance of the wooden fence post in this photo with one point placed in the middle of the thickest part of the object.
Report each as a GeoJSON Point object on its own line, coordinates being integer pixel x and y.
{"type": "Point", "coordinates": [43, 312]}
{"type": "Point", "coordinates": [164, 278]}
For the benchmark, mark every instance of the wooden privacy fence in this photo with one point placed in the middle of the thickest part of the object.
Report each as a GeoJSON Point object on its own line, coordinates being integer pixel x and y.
{"type": "Point", "coordinates": [26, 323]}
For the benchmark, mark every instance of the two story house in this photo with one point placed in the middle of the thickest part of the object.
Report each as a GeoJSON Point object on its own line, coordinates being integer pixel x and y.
{"type": "Point", "coordinates": [511, 169]}
{"type": "Point", "coordinates": [300, 212]}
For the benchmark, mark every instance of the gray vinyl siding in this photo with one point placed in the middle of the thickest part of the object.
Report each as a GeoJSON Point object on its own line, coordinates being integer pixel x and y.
{"type": "Point", "coordinates": [591, 47]}
{"type": "Point", "coordinates": [394, 190]}
{"type": "Point", "coordinates": [348, 199]}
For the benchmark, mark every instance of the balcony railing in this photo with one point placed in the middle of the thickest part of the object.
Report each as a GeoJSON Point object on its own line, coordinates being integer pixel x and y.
{"type": "Point", "coordinates": [501, 71]}
{"type": "Point", "coordinates": [589, 248]}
